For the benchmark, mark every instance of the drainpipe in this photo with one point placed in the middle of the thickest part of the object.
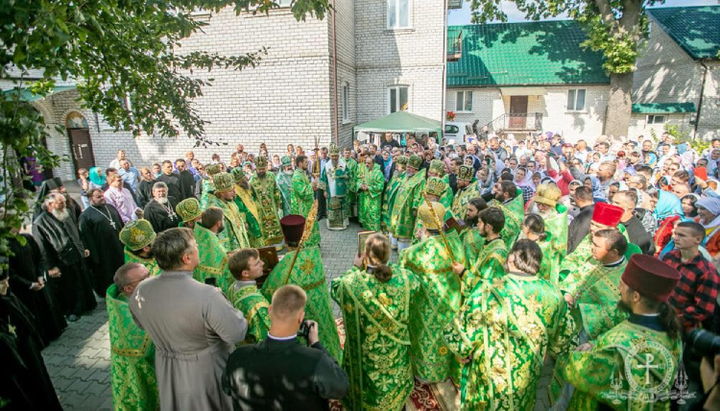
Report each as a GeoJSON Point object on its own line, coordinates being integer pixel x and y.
{"type": "Point", "coordinates": [444, 73]}
{"type": "Point", "coordinates": [702, 94]}
{"type": "Point", "coordinates": [336, 136]}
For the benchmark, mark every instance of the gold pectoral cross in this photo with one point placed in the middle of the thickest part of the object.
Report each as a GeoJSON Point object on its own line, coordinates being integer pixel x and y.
{"type": "Point", "coordinates": [12, 329]}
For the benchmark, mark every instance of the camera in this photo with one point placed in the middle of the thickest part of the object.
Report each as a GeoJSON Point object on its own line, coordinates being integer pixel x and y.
{"type": "Point", "coordinates": [304, 330]}
{"type": "Point", "coordinates": [704, 342]}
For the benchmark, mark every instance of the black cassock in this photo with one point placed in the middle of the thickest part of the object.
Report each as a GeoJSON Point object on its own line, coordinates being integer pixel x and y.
{"type": "Point", "coordinates": [61, 247]}
{"type": "Point", "coordinates": [103, 241]}
{"type": "Point", "coordinates": [25, 270]}
{"type": "Point", "coordinates": [24, 380]}
{"type": "Point", "coordinates": [159, 217]}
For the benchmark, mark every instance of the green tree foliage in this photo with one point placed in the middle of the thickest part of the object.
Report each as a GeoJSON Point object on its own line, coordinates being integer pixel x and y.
{"type": "Point", "coordinates": [112, 49]}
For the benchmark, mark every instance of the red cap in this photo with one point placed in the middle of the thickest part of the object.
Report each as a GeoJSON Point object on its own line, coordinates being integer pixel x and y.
{"type": "Point", "coordinates": [607, 214]}
{"type": "Point", "coordinates": [650, 277]}
{"type": "Point", "coordinates": [292, 227]}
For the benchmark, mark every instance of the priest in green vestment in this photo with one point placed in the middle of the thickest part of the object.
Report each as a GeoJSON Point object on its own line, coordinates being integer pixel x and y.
{"type": "Point", "coordinates": [376, 299]}
{"type": "Point", "coordinates": [490, 263]}
{"type": "Point", "coordinates": [370, 190]}
{"type": "Point", "coordinates": [207, 184]}
{"type": "Point", "coordinates": [591, 290]}
{"type": "Point", "coordinates": [189, 212]}
{"type": "Point", "coordinates": [267, 198]}
{"type": "Point", "coordinates": [502, 332]}
{"type": "Point", "coordinates": [439, 298]}
{"type": "Point", "coordinates": [132, 352]}
{"type": "Point", "coordinates": [407, 200]}
{"type": "Point", "coordinates": [470, 236]}
{"type": "Point", "coordinates": [246, 267]}
{"type": "Point", "coordinates": [509, 199]}
{"type": "Point", "coordinates": [303, 196]}
{"type": "Point", "coordinates": [467, 190]}
{"type": "Point", "coordinates": [633, 365]}
{"type": "Point", "coordinates": [213, 255]}
{"type": "Point", "coordinates": [234, 235]}
{"type": "Point", "coordinates": [351, 198]}
{"type": "Point", "coordinates": [391, 190]}
{"type": "Point", "coordinates": [284, 183]}
{"type": "Point", "coordinates": [308, 272]}
{"type": "Point", "coordinates": [437, 169]}
{"type": "Point", "coordinates": [137, 236]}
{"type": "Point", "coordinates": [248, 209]}
{"type": "Point", "coordinates": [334, 184]}
{"type": "Point", "coordinates": [434, 189]}
{"type": "Point", "coordinates": [546, 204]}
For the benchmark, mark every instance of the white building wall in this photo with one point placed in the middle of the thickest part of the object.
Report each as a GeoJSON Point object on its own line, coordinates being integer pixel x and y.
{"type": "Point", "coordinates": [490, 103]}
{"type": "Point", "coordinates": [412, 57]}
{"type": "Point", "coordinates": [709, 121]}
{"type": "Point", "coordinates": [346, 62]}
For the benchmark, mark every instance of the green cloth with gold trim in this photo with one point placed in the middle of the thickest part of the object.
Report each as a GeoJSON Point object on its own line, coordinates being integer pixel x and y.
{"type": "Point", "coordinates": [370, 200]}
{"type": "Point", "coordinates": [309, 274]}
{"type": "Point", "coordinates": [132, 358]}
{"type": "Point", "coordinates": [351, 197]}
{"type": "Point", "coordinates": [407, 200]}
{"type": "Point", "coordinates": [247, 208]}
{"type": "Point", "coordinates": [284, 183]}
{"type": "Point", "coordinates": [505, 327]}
{"type": "Point", "coordinates": [213, 259]}
{"type": "Point", "coordinates": [490, 264]}
{"type": "Point", "coordinates": [436, 305]}
{"type": "Point", "coordinates": [234, 236]}
{"type": "Point", "coordinates": [600, 375]}
{"type": "Point", "coordinates": [137, 234]}
{"type": "Point", "coordinates": [596, 291]}
{"type": "Point", "coordinates": [149, 263]}
{"type": "Point", "coordinates": [268, 201]}
{"type": "Point", "coordinates": [391, 189]}
{"type": "Point", "coordinates": [473, 243]}
{"type": "Point", "coordinates": [254, 306]}
{"type": "Point", "coordinates": [377, 342]}
{"type": "Point", "coordinates": [514, 211]}
{"type": "Point", "coordinates": [462, 198]}
{"type": "Point", "coordinates": [302, 199]}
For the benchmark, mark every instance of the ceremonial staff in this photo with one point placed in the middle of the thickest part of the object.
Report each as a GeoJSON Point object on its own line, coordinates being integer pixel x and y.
{"type": "Point", "coordinates": [307, 232]}
{"type": "Point", "coordinates": [440, 225]}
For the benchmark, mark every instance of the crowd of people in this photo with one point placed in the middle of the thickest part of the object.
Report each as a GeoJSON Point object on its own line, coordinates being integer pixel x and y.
{"type": "Point", "coordinates": [513, 255]}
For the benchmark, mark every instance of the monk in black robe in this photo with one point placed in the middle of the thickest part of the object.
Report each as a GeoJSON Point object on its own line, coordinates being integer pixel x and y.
{"type": "Point", "coordinates": [57, 234]}
{"type": "Point", "coordinates": [160, 211]}
{"type": "Point", "coordinates": [24, 380]}
{"type": "Point", "coordinates": [100, 226]}
{"type": "Point", "coordinates": [55, 185]}
{"type": "Point", "coordinates": [28, 283]}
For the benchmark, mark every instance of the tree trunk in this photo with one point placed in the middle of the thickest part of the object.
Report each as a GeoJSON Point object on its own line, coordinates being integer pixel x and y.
{"type": "Point", "coordinates": [619, 106]}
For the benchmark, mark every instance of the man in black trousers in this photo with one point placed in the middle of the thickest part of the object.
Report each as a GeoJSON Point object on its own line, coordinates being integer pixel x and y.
{"type": "Point", "coordinates": [279, 373]}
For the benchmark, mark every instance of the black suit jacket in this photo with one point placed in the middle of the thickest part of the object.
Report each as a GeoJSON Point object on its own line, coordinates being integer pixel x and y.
{"type": "Point", "coordinates": [579, 227]}
{"type": "Point", "coordinates": [283, 375]}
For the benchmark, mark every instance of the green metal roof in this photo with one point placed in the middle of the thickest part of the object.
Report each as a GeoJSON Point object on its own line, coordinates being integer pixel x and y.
{"type": "Point", "coordinates": [519, 54]}
{"type": "Point", "coordinates": [695, 29]}
{"type": "Point", "coordinates": [663, 108]}
{"type": "Point", "coordinates": [29, 96]}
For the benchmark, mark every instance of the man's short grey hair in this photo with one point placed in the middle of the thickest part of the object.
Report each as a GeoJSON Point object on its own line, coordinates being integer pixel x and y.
{"type": "Point", "coordinates": [159, 184]}
{"type": "Point", "coordinates": [50, 198]}
{"type": "Point", "coordinates": [170, 246]}
{"type": "Point", "coordinates": [121, 275]}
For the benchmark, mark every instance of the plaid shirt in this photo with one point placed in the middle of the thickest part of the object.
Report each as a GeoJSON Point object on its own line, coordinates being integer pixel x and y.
{"type": "Point", "coordinates": [696, 292]}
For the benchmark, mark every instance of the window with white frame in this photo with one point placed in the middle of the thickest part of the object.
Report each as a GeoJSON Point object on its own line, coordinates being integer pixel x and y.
{"type": "Point", "coordinates": [576, 99]}
{"type": "Point", "coordinates": [346, 102]}
{"type": "Point", "coordinates": [398, 14]}
{"type": "Point", "coordinates": [397, 99]}
{"type": "Point", "coordinates": [656, 119]}
{"type": "Point", "coordinates": [284, 3]}
{"type": "Point", "coordinates": [464, 101]}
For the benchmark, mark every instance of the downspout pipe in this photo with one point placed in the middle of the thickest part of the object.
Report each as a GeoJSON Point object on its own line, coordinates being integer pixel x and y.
{"type": "Point", "coordinates": [700, 102]}
{"type": "Point", "coordinates": [336, 135]}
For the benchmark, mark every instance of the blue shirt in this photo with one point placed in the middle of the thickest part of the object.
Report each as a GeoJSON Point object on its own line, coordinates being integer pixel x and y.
{"type": "Point", "coordinates": [130, 177]}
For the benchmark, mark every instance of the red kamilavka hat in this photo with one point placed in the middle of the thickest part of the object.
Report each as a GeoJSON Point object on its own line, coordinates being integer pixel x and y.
{"type": "Point", "coordinates": [650, 277]}
{"type": "Point", "coordinates": [607, 214]}
{"type": "Point", "coordinates": [292, 227]}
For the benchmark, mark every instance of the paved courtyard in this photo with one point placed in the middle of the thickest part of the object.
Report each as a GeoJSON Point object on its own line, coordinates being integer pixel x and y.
{"type": "Point", "coordinates": [79, 361]}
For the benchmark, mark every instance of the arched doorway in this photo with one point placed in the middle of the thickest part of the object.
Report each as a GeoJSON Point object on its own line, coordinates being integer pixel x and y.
{"type": "Point", "coordinates": [80, 142]}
